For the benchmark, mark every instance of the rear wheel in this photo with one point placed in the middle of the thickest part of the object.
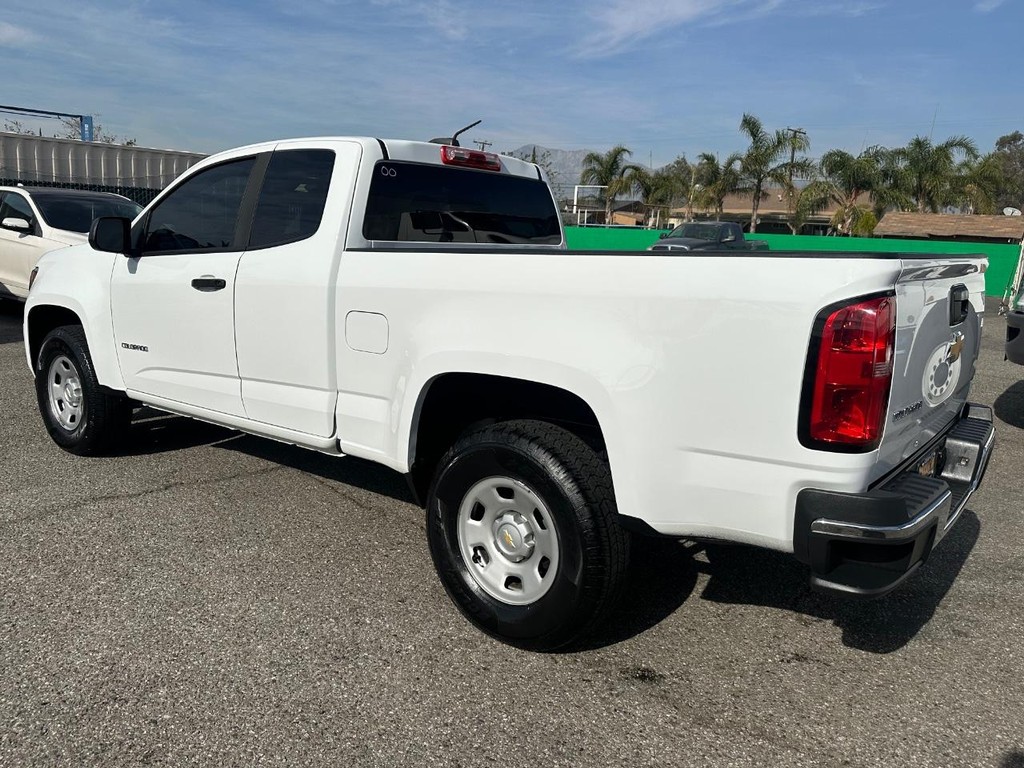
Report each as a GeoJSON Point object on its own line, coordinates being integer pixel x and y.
{"type": "Point", "coordinates": [521, 526]}
{"type": "Point", "coordinates": [80, 415]}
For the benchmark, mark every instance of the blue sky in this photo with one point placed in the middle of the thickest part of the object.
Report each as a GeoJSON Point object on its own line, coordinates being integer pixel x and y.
{"type": "Point", "coordinates": [663, 78]}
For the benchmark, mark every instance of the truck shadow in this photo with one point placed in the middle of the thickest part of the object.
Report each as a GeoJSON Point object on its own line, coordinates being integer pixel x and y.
{"type": "Point", "coordinates": [155, 431]}
{"type": "Point", "coordinates": [11, 314]}
{"type": "Point", "coordinates": [761, 577]}
{"type": "Point", "coordinates": [348, 470]}
{"type": "Point", "coordinates": [662, 576]}
{"type": "Point", "coordinates": [664, 572]}
{"type": "Point", "coordinates": [1009, 406]}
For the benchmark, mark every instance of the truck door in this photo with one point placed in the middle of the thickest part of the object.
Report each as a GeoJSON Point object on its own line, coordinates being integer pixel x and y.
{"type": "Point", "coordinates": [173, 305]}
{"type": "Point", "coordinates": [286, 283]}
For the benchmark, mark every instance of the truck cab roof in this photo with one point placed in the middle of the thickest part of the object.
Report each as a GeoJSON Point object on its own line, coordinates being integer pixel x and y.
{"type": "Point", "coordinates": [398, 149]}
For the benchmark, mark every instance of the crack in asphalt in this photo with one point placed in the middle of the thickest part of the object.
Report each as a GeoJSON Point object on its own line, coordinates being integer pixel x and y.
{"type": "Point", "coordinates": [333, 487]}
{"type": "Point", "coordinates": [162, 488]}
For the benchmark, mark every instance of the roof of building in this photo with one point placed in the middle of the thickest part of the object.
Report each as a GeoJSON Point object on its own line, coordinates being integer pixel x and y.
{"type": "Point", "coordinates": [773, 205]}
{"type": "Point", "coordinates": [951, 225]}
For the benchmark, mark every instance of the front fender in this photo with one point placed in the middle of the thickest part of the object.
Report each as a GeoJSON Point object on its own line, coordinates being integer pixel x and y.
{"type": "Point", "coordinates": [75, 280]}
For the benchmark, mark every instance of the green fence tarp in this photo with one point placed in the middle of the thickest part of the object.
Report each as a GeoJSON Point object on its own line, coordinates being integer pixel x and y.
{"type": "Point", "coordinates": [1002, 258]}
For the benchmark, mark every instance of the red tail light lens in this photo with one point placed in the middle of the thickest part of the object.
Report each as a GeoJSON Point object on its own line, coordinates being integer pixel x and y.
{"type": "Point", "coordinates": [470, 158]}
{"type": "Point", "coordinates": [853, 375]}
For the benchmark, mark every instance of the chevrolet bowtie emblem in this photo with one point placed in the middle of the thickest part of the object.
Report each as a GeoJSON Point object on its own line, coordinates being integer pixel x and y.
{"type": "Point", "coordinates": [508, 540]}
{"type": "Point", "coordinates": [956, 347]}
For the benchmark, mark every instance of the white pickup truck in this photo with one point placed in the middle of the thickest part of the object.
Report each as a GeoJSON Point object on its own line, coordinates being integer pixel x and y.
{"type": "Point", "coordinates": [413, 304]}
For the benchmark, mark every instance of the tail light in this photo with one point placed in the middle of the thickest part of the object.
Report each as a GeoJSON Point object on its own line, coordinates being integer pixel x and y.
{"type": "Point", "coordinates": [470, 158]}
{"type": "Point", "coordinates": [851, 360]}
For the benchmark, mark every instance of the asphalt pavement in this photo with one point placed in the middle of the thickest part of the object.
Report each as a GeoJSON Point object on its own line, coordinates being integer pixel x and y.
{"type": "Point", "coordinates": [208, 598]}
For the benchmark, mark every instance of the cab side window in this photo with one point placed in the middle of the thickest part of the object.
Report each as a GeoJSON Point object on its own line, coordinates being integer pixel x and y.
{"type": "Point", "coordinates": [202, 213]}
{"type": "Point", "coordinates": [292, 198]}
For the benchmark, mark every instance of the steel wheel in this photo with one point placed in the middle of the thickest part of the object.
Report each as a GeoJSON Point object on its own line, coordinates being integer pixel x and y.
{"type": "Point", "coordinates": [79, 414]}
{"type": "Point", "coordinates": [509, 540]}
{"type": "Point", "coordinates": [522, 528]}
{"type": "Point", "coordinates": [67, 399]}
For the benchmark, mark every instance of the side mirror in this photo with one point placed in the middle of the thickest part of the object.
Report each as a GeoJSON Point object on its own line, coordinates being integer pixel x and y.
{"type": "Point", "coordinates": [663, 235]}
{"type": "Point", "coordinates": [111, 234]}
{"type": "Point", "coordinates": [729, 238]}
{"type": "Point", "coordinates": [16, 223]}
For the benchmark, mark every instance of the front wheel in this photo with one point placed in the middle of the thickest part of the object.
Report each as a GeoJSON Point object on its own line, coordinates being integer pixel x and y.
{"type": "Point", "coordinates": [80, 415]}
{"type": "Point", "coordinates": [521, 526]}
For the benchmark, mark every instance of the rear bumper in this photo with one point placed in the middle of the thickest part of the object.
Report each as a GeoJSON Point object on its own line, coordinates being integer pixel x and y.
{"type": "Point", "coordinates": [866, 544]}
{"type": "Point", "coordinates": [1015, 337]}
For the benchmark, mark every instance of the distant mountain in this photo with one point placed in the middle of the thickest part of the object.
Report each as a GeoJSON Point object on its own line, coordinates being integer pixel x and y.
{"type": "Point", "coordinates": [566, 164]}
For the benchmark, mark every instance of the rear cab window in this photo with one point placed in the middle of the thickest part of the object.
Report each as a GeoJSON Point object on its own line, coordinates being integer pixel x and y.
{"type": "Point", "coordinates": [292, 198]}
{"type": "Point", "coordinates": [420, 202]}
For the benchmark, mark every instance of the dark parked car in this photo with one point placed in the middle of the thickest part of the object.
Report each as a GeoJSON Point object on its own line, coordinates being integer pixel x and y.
{"type": "Point", "coordinates": [707, 236]}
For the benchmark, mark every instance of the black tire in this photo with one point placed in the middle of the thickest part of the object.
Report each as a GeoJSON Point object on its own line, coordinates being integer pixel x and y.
{"type": "Point", "coordinates": [573, 486]}
{"type": "Point", "coordinates": [98, 417]}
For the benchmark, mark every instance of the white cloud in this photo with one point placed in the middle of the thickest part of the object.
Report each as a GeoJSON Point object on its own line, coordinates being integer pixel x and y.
{"type": "Point", "coordinates": [13, 36]}
{"type": "Point", "coordinates": [853, 9]}
{"type": "Point", "coordinates": [441, 15]}
{"type": "Point", "coordinates": [985, 6]}
{"type": "Point", "coordinates": [623, 23]}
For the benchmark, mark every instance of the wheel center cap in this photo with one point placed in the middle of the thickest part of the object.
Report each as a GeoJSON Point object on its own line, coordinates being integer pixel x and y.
{"type": "Point", "coordinates": [513, 537]}
{"type": "Point", "coordinates": [73, 393]}
{"type": "Point", "coordinates": [509, 539]}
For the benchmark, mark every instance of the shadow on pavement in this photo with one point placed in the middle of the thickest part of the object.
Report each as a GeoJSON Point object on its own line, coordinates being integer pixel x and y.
{"type": "Point", "coordinates": [11, 314]}
{"type": "Point", "coordinates": [663, 572]}
{"type": "Point", "coordinates": [1009, 406]}
{"type": "Point", "coordinates": [662, 576]}
{"type": "Point", "coordinates": [154, 431]}
{"type": "Point", "coordinates": [347, 469]}
{"type": "Point", "coordinates": [1013, 759]}
{"type": "Point", "coordinates": [762, 577]}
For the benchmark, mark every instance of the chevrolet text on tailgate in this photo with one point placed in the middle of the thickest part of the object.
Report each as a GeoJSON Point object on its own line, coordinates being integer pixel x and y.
{"type": "Point", "coordinates": [413, 304]}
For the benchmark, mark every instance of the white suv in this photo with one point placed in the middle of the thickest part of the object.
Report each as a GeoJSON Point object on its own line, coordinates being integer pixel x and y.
{"type": "Point", "coordinates": [34, 220]}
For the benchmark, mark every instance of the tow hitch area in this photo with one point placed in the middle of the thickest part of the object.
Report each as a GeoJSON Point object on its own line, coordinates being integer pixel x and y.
{"type": "Point", "coordinates": [866, 544]}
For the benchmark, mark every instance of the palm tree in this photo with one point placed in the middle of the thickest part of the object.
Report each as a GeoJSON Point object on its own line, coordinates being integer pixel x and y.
{"type": "Point", "coordinates": [611, 171]}
{"type": "Point", "coordinates": [712, 182]}
{"type": "Point", "coordinates": [665, 187]}
{"type": "Point", "coordinates": [892, 194]}
{"type": "Point", "coordinates": [927, 173]}
{"type": "Point", "coordinates": [650, 187]}
{"type": "Point", "coordinates": [845, 180]}
{"type": "Point", "coordinates": [978, 184]}
{"type": "Point", "coordinates": [766, 160]}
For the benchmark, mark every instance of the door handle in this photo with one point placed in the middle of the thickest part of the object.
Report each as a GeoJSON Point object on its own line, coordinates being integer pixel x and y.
{"type": "Point", "coordinates": [209, 284]}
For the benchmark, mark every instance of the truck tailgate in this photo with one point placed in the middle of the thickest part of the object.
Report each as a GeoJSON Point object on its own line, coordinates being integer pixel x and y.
{"type": "Point", "coordinates": [939, 307]}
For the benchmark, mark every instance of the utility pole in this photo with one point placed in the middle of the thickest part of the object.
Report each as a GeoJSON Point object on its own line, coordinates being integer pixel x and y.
{"type": "Point", "coordinates": [790, 200]}
{"type": "Point", "coordinates": [482, 145]}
